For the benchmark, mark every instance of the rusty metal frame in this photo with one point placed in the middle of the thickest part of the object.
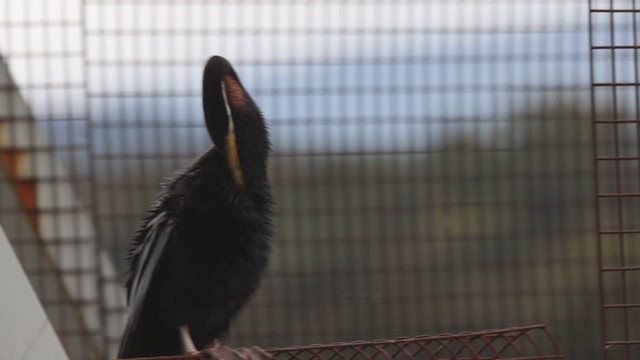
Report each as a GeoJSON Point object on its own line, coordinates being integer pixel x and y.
{"type": "Point", "coordinates": [515, 343]}
{"type": "Point", "coordinates": [619, 341]}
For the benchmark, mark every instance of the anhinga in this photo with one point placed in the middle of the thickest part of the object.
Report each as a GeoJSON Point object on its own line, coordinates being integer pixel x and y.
{"type": "Point", "coordinates": [202, 250]}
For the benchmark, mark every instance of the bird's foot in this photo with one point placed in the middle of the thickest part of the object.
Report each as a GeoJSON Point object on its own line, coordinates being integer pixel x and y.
{"type": "Point", "coordinates": [228, 353]}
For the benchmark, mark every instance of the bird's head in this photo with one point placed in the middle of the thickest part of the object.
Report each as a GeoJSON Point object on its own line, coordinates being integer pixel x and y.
{"type": "Point", "coordinates": [234, 122]}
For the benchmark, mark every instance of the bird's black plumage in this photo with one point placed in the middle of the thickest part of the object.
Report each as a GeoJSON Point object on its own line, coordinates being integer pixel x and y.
{"type": "Point", "coordinates": [203, 248]}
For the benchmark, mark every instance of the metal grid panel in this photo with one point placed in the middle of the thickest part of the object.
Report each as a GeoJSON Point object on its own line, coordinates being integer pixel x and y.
{"type": "Point", "coordinates": [615, 27]}
{"type": "Point", "coordinates": [432, 162]}
{"type": "Point", "coordinates": [44, 164]}
{"type": "Point", "coordinates": [516, 343]}
{"type": "Point", "coordinates": [382, 201]}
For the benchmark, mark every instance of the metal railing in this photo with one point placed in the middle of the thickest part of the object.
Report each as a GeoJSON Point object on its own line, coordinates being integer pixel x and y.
{"type": "Point", "coordinates": [515, 343]}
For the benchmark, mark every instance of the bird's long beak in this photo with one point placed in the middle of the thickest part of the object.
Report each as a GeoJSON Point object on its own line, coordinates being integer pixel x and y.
{"type": "Point", "coordinates": [231, 147]}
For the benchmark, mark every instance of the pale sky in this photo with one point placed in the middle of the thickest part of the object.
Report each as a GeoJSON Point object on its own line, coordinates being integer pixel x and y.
{"type": "Point", "coordinates": [318, 70]}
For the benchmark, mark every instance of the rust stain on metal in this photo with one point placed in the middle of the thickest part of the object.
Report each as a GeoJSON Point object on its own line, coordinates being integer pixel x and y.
{"type": "Point", "coordinates": [25, 189]}
{"type": "Point", "coordinates": [10, 159]}
{"type": "Point", "coordinates": [27, 194]}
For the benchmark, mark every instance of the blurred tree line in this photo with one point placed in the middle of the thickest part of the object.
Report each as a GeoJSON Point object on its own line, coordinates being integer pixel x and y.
{"type": "Point", "coordinates": [477, 232]}
{"type": "Point", "coordinates": [487, 228]}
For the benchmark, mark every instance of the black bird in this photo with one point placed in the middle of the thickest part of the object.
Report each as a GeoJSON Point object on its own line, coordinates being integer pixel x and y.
{"type": "Point", "coordinates": [202, 250]}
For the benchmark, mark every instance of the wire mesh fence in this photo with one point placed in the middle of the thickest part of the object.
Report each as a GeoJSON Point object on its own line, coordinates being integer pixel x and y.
{"type": "Point", "coordinates": [432, 160]}
{"type": "Point", "coordinates": [516, 343]}
{"type": "Point", "coordinates": [614, 86]}
{"type": "Point", "coordinates": [533, 342]}
{"type": "Point", "coordinates": [43, 165]}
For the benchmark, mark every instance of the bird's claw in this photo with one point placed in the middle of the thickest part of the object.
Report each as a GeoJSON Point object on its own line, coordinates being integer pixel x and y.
{"type": "Point", "coordinates": [227, 353]}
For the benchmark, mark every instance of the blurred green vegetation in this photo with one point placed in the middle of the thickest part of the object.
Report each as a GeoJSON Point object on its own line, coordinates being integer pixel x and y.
{"type": "Point", "coordinates": [487, 228]}
{"type": "Point", "coordinates": [478, 232]}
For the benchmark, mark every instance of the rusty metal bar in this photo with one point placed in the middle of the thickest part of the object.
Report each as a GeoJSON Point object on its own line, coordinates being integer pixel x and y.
{"type": "Point", "coordinates": [617, 333]}
{"type": "Point", "coordinates": [515, 343]}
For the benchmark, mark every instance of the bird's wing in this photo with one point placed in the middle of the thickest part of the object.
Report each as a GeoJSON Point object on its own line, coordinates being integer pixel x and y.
{"type": "Point", "coordinates": [156, 235]}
